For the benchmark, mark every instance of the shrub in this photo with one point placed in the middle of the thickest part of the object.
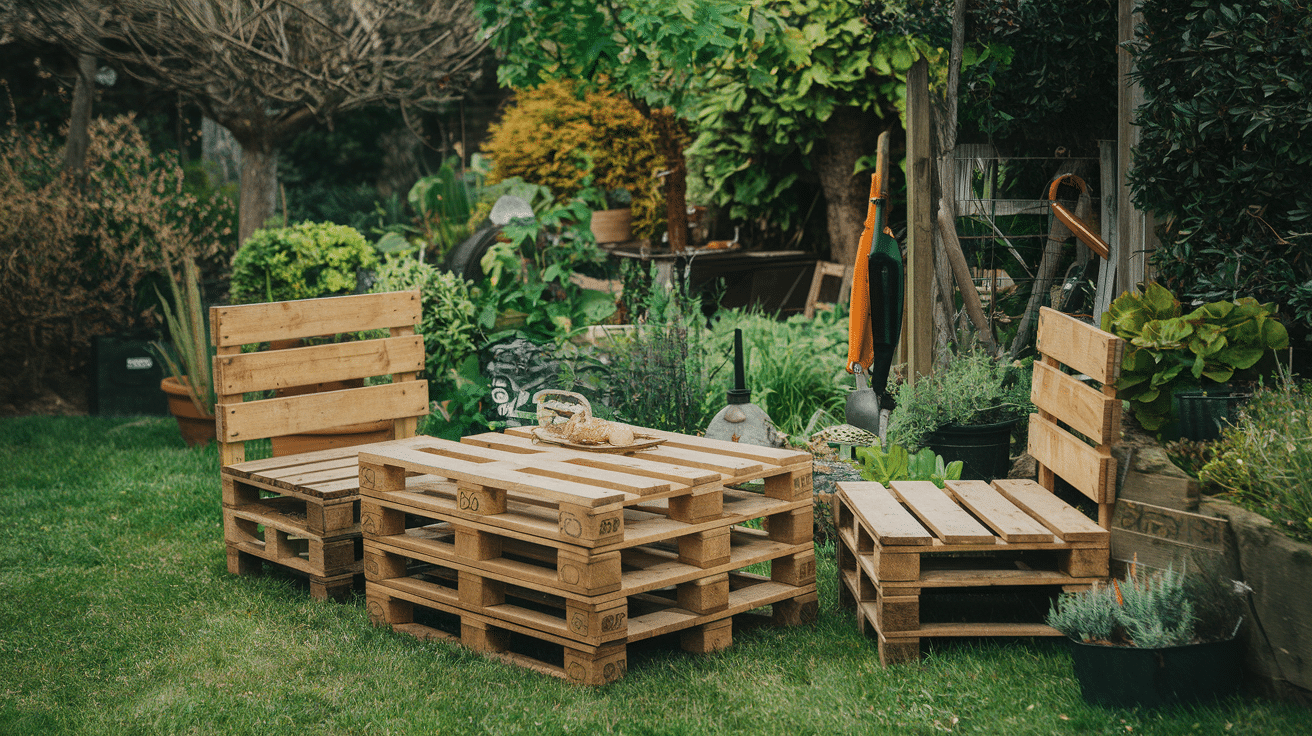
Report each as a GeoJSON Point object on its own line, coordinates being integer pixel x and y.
{"type": "Point", "coordinates": [1150, 610]}
{"type": "Point", "coordinates": [1264, 461]}
{"type": "Point", "coordinates": [75, 248]}
{"type": "Point", "coordinates": [448, 323]}
{"type": "Point", "coordinates": [304, 261]}
{"type": "Point", "coordinates": [553, 137]}
{"type": "Point", "coordinates": [1226, 153]}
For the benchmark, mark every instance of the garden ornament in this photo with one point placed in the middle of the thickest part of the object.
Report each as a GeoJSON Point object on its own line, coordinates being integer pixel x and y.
{"type": "Point", "coordinates": [743, 421]}
{"type": "Point", "coordinates": [875, 321]}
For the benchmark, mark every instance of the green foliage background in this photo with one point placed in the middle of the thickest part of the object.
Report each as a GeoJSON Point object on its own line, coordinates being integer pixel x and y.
{"type": "Point", "coordinates": [304, 261]}
{"type": "Point", "coordinates": [1226, 155]}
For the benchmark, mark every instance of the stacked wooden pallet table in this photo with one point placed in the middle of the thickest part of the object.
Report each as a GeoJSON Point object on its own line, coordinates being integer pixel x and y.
{"type": "Point", "coordinates": [557, 559]}
{"type": "Point", "coordinates": [899, 544]}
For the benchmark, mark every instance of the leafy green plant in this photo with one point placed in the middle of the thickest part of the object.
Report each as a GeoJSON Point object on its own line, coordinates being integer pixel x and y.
{"type": "Point", "coordinates": [973, 389]}
{"type": "Point", "coordinates": [794, 367]}
{"type": "Point", "coordinates": [896, 463]}
{"type": "Point", "coordinates": [449, 328]}
{"type": "Point", "coordinates": [442, 204]}
{"type": "Point", "coordinates": [194, 366]}
{"type": "Point", "coordinates": [459, 410]}
{"type": "Point", "coordinates": [1169, 350]}
{"type": "Point", "coordinates": [527, 286]}
{"type": "Point", "coordinates": [1162, 608]}
{"type": "Point", "coordinates": [304, 261]}
{"type": "Point", "coordinates": [1264, 461]}
{"type": "Point", "coordinates": [1225, 158]}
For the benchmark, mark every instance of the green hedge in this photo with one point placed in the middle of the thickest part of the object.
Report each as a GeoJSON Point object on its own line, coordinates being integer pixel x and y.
{"type": "Point", "coordinates": [1226, 155]}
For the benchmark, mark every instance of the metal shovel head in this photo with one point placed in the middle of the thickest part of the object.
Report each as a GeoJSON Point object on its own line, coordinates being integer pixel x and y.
{"type": "Point", "coordinates": [862, 408]}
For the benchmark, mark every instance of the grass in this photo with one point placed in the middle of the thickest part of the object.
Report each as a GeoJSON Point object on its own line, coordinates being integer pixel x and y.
{"type": "Point", "coordinates": [117, 615]}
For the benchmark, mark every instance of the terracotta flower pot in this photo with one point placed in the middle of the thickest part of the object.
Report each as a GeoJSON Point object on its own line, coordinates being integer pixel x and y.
{"type": "Point", "coordinates": [612, 226]}
{"type": "Point", "coordinates": [197, 428]}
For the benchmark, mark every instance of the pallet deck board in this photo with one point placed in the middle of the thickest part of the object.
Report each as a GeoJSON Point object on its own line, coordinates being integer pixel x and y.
{"type": "Point", "coordinates": [887, 520]}
{"type": "Point", "coordinates": [949, 522]}
{"type": "Point", "coordinates": [1008, 522]}
{"type": "Point", "coordinates": [1063, 520]}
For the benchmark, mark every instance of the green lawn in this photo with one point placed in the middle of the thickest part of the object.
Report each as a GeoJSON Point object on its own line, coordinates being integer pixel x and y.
{"type": "Point", "coordinates": [117, 615]}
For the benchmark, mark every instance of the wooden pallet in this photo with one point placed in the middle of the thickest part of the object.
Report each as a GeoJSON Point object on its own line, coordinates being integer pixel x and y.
{"type": "Point", "coordinates": [896, 543]}
{"type": "Point", "coordinates": [577, 497]}
{"type": "Point", "coordinates": [521, 592]}
{"type": "Point", "coordinates": [300, 513]}
{"type": "Point", "coordinates": [395, 602]}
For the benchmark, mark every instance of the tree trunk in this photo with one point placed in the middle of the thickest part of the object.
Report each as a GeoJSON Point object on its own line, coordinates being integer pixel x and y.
{"type": "Point", "coordinates": [846, 196]}
{"type": "Point", "coordinates": [259, 189]}
{"type": "Point", "coordinates": [79, 121]}
{"type": "Point", "coordinates": [220, 152]}
{"type": "Point", "coordinates": [670, 131]}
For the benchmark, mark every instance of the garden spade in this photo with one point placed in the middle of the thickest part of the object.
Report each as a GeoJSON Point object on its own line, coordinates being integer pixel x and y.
{"type": "Point", "coordinates": [876, 317]}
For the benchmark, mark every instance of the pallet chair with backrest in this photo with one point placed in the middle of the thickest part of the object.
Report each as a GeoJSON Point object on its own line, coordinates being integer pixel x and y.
{"type": "Point", "coordinates": [897, 543]}
{"type": "Point", "coordinates": [301, 510]}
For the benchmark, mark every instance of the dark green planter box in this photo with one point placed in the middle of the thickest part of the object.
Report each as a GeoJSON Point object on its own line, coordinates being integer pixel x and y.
{"type": "Point", "coordinates": [126, 378]}
{"type": "Point", "coordinates": [1129, 677]}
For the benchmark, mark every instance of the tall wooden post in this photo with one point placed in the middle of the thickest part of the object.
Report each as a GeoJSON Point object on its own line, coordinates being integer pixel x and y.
{"type": "Point", "coordinates": [918, 325]}
{"type": "Point", "coordinates": [1134, 228]}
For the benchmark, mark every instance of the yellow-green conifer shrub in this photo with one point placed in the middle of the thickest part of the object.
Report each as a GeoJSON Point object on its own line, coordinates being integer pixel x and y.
{"type": "Point", "coordinates": [549, 133]}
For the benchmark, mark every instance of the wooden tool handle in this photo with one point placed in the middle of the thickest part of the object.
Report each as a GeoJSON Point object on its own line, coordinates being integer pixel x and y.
{"type": "Point", "coordinates": [881, 166]}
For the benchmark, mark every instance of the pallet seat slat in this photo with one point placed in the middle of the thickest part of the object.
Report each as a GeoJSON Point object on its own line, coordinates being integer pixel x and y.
{"type": "Point", "coordinates": [1002, 516]}
{"type": "Point", "coordinates": [940, 513]}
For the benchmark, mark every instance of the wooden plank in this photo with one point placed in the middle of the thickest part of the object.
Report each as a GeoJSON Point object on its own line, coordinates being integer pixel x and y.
{"type": "Point", "coordinates": [973, 630]}
{"type": "Point", "coordinates": [1064, 520]}
{"type": "Point", "coordinates": [918, 328]}
{"type": "Point", "coordinates": [637, 463]}
{"type": "Point", "coordinates": [1002, 516]}
{"type": "Point", "coordinates": [1078, 405]}
{"type": "Point", "coordinates": [253, 323]}
{"type": "Point", "coordinates": [253, 420]}
{"type": "Point", "coordinates": [1091, 470]}
{"type": "Point", "coordinates": [490, 476]}
{"type": "Point", "coordinates": [1087, 349]}
{"type": "Point", "coordinates": [887, 521]}
{"type": "Point", "coordinates": [278, 369]}
{"type": "Point", "coordinates": [940, 513]}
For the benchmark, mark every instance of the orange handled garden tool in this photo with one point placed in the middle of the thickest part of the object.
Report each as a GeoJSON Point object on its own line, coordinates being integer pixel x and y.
{"type": "Point", "coordinates": [875, 322]}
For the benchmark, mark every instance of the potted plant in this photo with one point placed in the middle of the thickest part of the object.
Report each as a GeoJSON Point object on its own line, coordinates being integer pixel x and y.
{"type": "Point", "coordinates": [612, 217]}
{"type": "Point", "coordinates": [965, 411]}
{"type": "Point", "coordinates": [1154, 638]}
{"type": "Point", "coordinates": [190, 385]}
{"type": "Point", "coordinates": [1180, 371]}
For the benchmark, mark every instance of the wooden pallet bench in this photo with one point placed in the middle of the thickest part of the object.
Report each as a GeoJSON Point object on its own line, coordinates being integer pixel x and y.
{"type": "Point", "coordinates": [898, 542]}
{"type": "Point", "coordinates": [395, 603]}
{"type": "Point", "coordinates": [298, 512]}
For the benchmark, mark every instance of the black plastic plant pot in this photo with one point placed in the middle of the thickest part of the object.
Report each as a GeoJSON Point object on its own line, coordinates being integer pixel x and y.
{"type": "Point", "coordinates": [1202, 414]}
{"type": "Point", "coordinates": [1130, 677]}
{"type": "Point", "coordinates": [984, 450]}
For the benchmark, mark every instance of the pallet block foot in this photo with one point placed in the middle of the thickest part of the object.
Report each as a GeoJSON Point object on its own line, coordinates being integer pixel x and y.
{"type": "Point", "coordinates": [601, 667]}
{"type": "Point", "coordinates": [898, 651]}
{"type": "Point", "coordinates": [796, 611]}
{"type": "Point", "coordinates": [244, 563]}
{"type": "Point", "coordinates": [708, 638]}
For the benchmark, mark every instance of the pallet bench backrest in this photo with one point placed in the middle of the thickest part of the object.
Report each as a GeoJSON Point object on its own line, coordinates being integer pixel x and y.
{"type": "Point", "coordinates": [1066, 403]}
{"type": "Point", "coordinates": [399, 353]}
